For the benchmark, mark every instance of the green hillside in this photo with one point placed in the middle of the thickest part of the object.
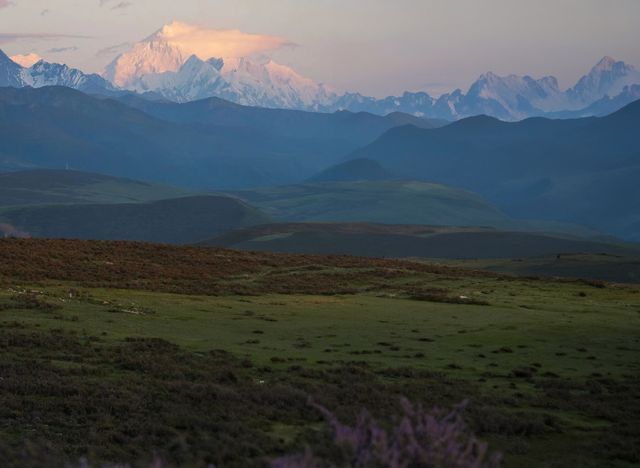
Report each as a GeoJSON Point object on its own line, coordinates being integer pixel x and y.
{"type": "Point", "coordinates": [45, 187]}
{"type": "Point", "coordinates": [390, 202]}
{"type": "Point", "coordinates": [178, 220]}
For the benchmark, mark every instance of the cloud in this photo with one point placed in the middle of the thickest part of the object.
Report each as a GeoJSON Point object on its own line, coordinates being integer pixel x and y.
{"type": "Point", "coordinates": [59, 50]}
{"type": "Point", "coordinates": [121, 6]}
{"type": "Point", "coordinates": [12, 37]}
{"type": "Point", "coordinates": [4, 3]}
{"type": "Point", "coordinates": [114, 49]}
{"type": "Point", "coordinates": [118, 6]}
{"type": "Point", "coordinates": [26, 60]}
{"type": "Point", "coordinates": [226, 43]}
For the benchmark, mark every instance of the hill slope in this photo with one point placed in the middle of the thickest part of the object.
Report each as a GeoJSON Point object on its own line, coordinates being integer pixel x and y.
{"type": "Point", "coordinates": [390, 202]}
{"type": "Point", "coordinates": [45, 187]}
{"type": "Point", "coordinates": [180, 220]}
{"type": "Point", "coordinates": [583, 171]}
{"type": "Point", "coordinates": [353, 170]}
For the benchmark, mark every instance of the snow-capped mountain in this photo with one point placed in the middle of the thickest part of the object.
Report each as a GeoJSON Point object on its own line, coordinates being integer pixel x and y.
{"type": "Point", "coordinates": [44, 73]}
{"type": "Point", "coordinates": [163, 63]}
{"type": "Point", "coordinates": [512, 96]}
{"type": "Point", "coordinates": [609, 85]}
{"type": "Point", "coordinates": [54, 74]}
{"type": "Point", "coordinates": [176, 63]}
{"type": "Point", "coordinates": [239, 80]}
{"type": "Point", "coordinates": [607, 78]}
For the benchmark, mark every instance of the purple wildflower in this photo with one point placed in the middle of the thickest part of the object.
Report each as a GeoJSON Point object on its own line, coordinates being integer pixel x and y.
{"type": "Point", "coordinates": [436, 438]}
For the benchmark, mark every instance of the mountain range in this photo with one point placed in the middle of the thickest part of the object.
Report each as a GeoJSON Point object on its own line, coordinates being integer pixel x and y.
{"type": "Point", "coordinates": [162, 64]}
{"type": "Point", "coordinates": [203, 145]}
{"type": "Point", "coordinates": [161, 67]}
{"type": "Point", "coordinates": [43, 74]}
{"type": "Point", "coordinates": [608, 86]}
{"type": "Point", "coordinates": [581, 171]}
{"type": "Point", "coordinates": [584, 171]}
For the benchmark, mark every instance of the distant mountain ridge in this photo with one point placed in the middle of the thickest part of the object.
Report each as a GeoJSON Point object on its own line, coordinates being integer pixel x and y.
{"type": "Point", "coordinates": [356, 128]}
{"type": "Point", "coordinates": [159, 67]}
{"type": "Point", "coordinates": [516, 97]}
{"type": "Point", "coordinates": [209, 144]}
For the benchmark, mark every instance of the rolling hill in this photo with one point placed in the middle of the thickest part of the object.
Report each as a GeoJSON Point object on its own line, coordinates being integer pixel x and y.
{"type": "Point", "coordinates": [180, 220]}
{"type": "Point", "coordinates": [72, 204]}
{"type": "Point", "coordinates": [582, 171]}
{"type": "Point", "coordinates": [391, 202]}
{"type": "Point", "coordinates": [46, 187]}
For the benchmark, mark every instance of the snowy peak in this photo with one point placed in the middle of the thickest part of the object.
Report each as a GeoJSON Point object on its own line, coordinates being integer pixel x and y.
{"type": "Point", "coordinates": [50, 74]}
{"type": "Point", "coordinates": [607, 78]}
{"type": "Point", "coordinates": [512, 96]}
{"type": "Point", "coordinates": [184, 62]}
{"type": "Point", "coordinates": [144, 58]}
{"type": "Point", "coordinates": [55, 74]}
{"type": "Point", "coordinates": [171, 46]}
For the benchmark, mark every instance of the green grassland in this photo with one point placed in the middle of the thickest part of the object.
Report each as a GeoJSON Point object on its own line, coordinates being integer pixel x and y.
{"type": "Point", "coordinates": [48, 187]}
{"type": "Point", "coordinates": [549, 324]}
{"type": "Point", "coordinates": [392, 202]}
{"type": "Point", "coordinates": [120, 366]}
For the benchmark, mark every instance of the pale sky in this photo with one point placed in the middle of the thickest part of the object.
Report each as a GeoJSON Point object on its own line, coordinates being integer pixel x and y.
{"type": "Point", "coordinates": [377, 47]}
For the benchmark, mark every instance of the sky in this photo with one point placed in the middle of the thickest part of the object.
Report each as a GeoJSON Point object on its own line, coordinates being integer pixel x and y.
{"type": "Point", "coordinates": [376, 47]}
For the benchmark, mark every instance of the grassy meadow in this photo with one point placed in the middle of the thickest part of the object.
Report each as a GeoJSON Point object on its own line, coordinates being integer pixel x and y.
{"type": "Point", "coordinates": [111, 352]}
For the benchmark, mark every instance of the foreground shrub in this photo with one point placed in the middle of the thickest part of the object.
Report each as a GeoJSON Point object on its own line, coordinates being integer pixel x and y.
{"type": "Point", "coordinates": [421, 438]}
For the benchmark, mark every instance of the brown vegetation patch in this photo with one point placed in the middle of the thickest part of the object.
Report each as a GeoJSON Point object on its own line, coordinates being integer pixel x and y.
{"type": "Point", "coordinates": [202, 270]}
